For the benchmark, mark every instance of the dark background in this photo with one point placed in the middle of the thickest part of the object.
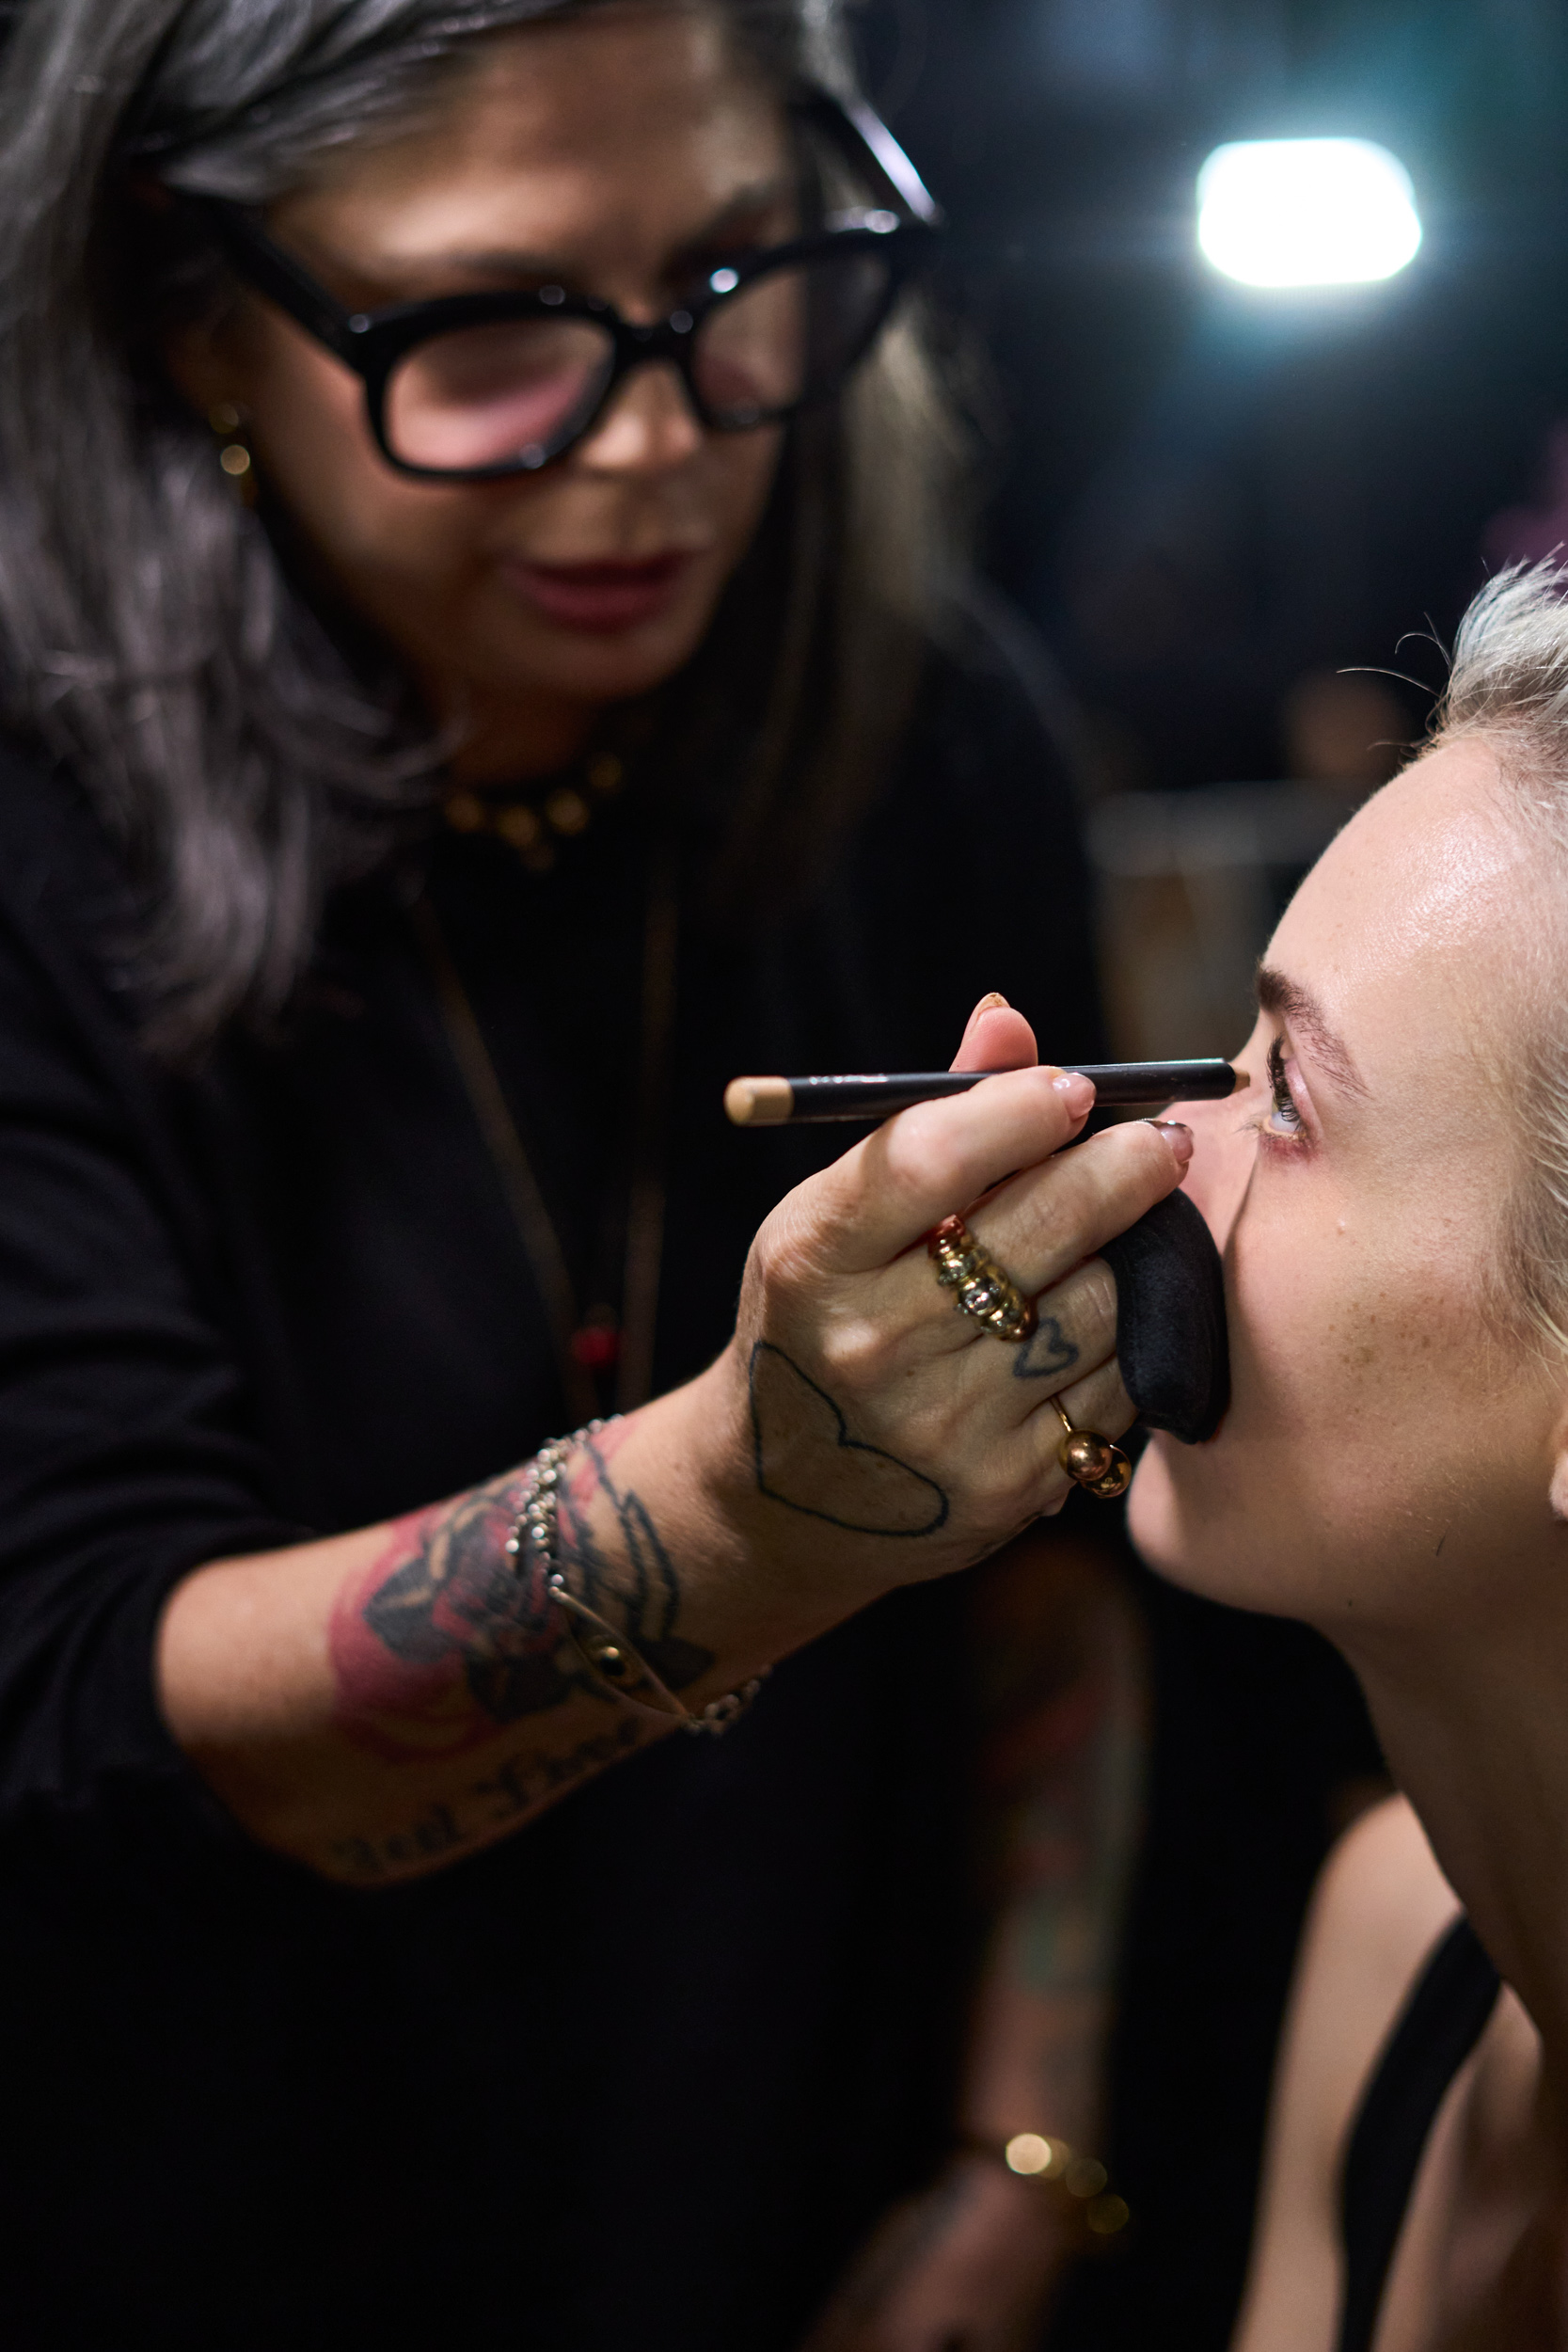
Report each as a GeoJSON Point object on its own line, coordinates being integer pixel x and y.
{"type": "Point", "coordinates": [1200, 490]}
{"type": "Point", "coordinates": [1201, 494]}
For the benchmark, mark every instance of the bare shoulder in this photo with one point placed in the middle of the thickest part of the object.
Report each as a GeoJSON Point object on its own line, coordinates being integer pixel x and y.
{"type": "Point", "coordinates": [1380, 1905]}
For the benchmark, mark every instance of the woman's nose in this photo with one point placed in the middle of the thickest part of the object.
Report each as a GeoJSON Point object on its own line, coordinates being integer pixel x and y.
{"type": "Point", "coordinates": [1224, 1150]}
{"type": "Point", "coordinates": [649, 426]}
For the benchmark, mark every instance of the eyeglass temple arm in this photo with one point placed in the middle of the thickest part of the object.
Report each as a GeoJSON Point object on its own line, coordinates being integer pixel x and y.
{"type": "Point", "coordinates": [276, 274]}
{"type": "Point", "coordinates": [863, 138]}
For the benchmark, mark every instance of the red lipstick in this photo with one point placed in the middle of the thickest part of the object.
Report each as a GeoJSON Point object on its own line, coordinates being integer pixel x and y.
{"type": "Point", "coordinates": [600, 597]}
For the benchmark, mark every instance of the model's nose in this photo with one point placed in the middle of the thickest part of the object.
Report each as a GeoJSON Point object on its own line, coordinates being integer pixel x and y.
{"type": "Point", "coordinates": [1223, 1147]}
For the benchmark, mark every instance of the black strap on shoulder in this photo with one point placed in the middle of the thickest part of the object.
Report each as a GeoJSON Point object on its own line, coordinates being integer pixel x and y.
{"type": "Point", "coordinates": [1440, 2025]}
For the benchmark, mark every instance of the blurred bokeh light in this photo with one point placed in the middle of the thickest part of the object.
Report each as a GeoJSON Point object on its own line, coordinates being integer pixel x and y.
{"type": "Point", "coordinates": [1307, 212]}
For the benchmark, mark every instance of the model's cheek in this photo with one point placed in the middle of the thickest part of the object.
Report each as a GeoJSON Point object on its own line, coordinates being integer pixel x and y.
{"type": "Point", "coordinates": [1280, 1313]}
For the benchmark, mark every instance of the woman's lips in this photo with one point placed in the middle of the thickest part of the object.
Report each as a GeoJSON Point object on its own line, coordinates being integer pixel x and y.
{"type": "Point", "coordinates": [600, 597]}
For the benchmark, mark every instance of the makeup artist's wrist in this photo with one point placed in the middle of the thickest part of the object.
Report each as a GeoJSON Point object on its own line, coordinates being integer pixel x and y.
{"type": "Point", "coordinates": [750, 1592]}
{"type": "Point", "coordinates": [763, 1577]}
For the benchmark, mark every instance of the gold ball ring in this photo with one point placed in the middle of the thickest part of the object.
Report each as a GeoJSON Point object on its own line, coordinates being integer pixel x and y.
{"type": "Point", "coordinates": [1098, 1466]}
{"type": "Point", "coordinates": [982, 1289]}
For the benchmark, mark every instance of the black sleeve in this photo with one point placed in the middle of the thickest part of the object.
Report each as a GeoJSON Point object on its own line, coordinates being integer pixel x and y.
{"type": "Point", "coordinates": [124, 1459]}
{"type": "Point", "coordinates": [971, 875]}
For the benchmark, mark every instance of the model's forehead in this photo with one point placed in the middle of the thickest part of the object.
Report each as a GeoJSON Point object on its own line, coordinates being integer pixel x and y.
{"type": "Point", "coordinates": [1415, 929]}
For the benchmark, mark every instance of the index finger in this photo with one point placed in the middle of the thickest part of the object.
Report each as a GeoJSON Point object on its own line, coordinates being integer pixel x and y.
{"type": "Point", "coordinates": [886, 1194]}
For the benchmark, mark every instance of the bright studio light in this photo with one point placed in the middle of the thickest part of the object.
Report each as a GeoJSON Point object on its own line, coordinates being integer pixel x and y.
{"type": "Point", "coordinates": [1307, 212]}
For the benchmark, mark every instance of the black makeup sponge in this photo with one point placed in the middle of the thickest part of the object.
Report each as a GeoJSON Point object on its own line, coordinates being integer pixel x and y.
{"type": "Point", "coordinates": [1171, 1338]}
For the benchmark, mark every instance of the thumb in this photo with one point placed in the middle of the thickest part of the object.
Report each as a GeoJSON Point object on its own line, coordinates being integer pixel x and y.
{"type": "Point", "coordinates": [996, 1038]}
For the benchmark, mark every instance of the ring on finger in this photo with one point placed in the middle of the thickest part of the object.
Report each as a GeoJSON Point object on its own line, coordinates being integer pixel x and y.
{"type": "Point", "coordinates": [1099, 1466]}
{"type": "Point", "coordinates": [982, 1289]}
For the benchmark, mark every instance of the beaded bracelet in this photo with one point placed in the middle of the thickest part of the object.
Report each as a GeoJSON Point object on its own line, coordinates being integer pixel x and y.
{"type": "Point", "coordinates": [1051, 2163]}
{"type": "Point", "coordinates": [615, 1665]}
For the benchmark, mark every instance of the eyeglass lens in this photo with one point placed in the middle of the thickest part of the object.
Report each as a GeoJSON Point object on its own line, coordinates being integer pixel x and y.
{"type": "Point", "coordinates": [494, 395]}
{"type": "Point", "coordinates": [517, 391]}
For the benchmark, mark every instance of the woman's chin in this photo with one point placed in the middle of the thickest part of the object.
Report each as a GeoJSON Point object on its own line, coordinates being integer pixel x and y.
{"type": "Point", "coordinates": [1178, 1522]}
{"type": "Point", "coordinates": [1155, 1521]}
{"type": "Point", "coordinates": [1187, 1516]}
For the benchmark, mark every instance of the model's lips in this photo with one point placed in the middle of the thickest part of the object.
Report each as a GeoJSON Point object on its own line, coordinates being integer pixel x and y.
{"type": "Point", "coordinates": [600, 597]}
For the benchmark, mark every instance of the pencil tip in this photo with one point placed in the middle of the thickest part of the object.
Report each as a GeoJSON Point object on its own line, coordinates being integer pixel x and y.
{"type": "Point", "coordinates": [758, 1102]}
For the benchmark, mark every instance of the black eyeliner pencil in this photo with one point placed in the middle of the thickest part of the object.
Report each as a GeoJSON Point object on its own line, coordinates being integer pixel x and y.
{"type": "Point", "coordinates": [793, 1102]}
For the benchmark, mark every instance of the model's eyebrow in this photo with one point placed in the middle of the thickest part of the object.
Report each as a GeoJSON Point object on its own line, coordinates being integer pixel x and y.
{"type": "Point", "coordinates": [1297, 1006]}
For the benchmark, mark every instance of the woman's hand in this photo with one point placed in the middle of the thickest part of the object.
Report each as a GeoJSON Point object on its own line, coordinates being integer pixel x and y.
{"type": "Point", "coordinates": [876, 1437]}
{"type": "Point", "coordinates": [969, 2267]}
{"type": "Point", "coordinates": [379, 1703]}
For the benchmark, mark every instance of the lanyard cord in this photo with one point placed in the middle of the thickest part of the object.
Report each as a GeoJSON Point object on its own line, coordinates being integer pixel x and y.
{"type": "Point", "coordinates": [536, 1228]}
{"type": "Point", "coordinates": [644, 1256]}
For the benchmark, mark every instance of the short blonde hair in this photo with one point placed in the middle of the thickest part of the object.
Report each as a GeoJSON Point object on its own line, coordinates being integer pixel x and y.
{"type": "Point", "coordinates": [1508, 684]}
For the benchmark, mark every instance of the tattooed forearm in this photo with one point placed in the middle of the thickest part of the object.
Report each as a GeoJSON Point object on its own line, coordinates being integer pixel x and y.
{"type": "Point", "coordinates": [521, 1784]}
{"type": "Point", "coordinates": [907, 2235]}
{"type": "Point", "coordinates": [806, 1458]}
{"type": "Point", "coordinates": [434, 1835]}
{"type": "Point", "coordinates": [447, 1636]}
{"type": "Point", "coordinates": [1063, 1702]}
{"type": "Point", "coordinates": [635, 1583]}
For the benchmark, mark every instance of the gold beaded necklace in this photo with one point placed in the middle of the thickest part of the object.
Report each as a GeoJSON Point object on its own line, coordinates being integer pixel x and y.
{"type": "Point", "coordinates": [534, 827]}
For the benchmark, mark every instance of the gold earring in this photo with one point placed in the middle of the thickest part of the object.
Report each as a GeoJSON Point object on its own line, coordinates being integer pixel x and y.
{"type": "Point", "coordinates": [229, 422]}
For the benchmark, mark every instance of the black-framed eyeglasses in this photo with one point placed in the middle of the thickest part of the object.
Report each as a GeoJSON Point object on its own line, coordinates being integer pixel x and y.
{"type": "Point", "coordinates": [475, 387]}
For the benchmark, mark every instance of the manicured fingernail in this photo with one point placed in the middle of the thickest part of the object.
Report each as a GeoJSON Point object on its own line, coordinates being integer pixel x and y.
{"type": "Point", "coordinates": [1076, 1090]}
{"type": "Point", "coordinates": [995, 1002]}
{"type": "Point", "coordinates": [1181, 1138]}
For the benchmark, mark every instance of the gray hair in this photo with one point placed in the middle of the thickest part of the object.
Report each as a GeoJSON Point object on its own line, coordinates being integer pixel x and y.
{"type": "Point", "coordinates": [1508, 684]}
{"type": "Point", "coordinates": [245, 752]}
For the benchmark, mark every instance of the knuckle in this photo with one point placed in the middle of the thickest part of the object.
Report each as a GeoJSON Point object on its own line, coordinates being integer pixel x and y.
{"type": "Point", "coordinates": [783, 1258]}
{"type": "Point", "coordinates": [1062, 1209]}
{"type": "Point", "coordinates": [852, 1354]}
{"type": "Point", "coordinates": [1111, 1403]}
{"type": "Point", "coordinates": [923, 1160]}
{"type": "Point", "coordinates": [1098, 1300]}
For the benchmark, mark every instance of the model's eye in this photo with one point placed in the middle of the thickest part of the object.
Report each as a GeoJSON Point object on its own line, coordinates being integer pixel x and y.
{"type": "Point", "coordinates": [1284, 1118]}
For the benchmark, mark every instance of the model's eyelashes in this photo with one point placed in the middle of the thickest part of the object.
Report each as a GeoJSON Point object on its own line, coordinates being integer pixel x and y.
{"type": "Point", "coordinates": [1284, 1116]}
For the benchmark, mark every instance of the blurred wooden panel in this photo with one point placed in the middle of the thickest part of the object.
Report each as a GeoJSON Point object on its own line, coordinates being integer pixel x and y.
{"type": "Point", "coordinates": [1191, 885]}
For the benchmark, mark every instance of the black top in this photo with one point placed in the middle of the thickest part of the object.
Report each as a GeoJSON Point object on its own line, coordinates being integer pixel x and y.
{"type": "Point", "coordinates": [1440, 2025]}
{"type": "Point", "coordinates": [642, 2074]}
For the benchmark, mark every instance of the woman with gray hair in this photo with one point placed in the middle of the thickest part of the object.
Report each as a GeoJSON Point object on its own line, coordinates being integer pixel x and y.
{"type": "Point", "coordinates": [482, 664]}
